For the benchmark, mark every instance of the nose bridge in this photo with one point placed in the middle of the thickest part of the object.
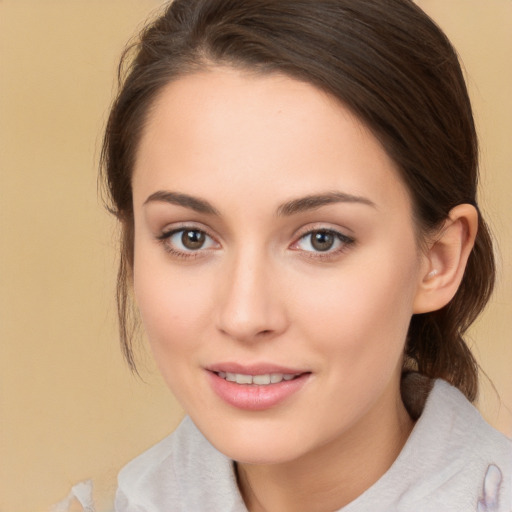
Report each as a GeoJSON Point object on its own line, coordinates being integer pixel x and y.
{"type": "Point", "coordinates": [249, 304]}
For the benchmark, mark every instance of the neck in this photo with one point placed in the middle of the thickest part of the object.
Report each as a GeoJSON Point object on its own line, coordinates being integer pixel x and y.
{"type": "Point", "coordinates": [336, 473]}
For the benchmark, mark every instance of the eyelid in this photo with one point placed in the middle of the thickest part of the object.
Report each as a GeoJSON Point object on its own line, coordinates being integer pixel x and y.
{"type": "Point", "coordinates": [346, 241]}
{"type": "Point", "coordinates": [311, 228]}
{"type": "Point", "coordinates": [169, 231]}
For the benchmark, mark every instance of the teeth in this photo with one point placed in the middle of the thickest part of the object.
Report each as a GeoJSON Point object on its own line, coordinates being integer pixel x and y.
{"type": "Point", "coordinates": [243, 379]}
{"type": "Point", "coordinates": [260, 380]}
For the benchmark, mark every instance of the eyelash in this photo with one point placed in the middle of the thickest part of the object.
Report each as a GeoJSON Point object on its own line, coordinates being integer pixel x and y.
{"type": "Point", "coordinates": [344, 240]}
{"type": "Point", "coordinates": [329, 254]}
{"type": "Point", "coordinates": [166, 236]}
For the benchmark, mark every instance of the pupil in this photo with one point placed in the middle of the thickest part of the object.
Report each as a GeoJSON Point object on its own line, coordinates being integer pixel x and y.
{"type": "Point", "coordinates": [193, 239]}
{"type": "Point", "coordinates": [322, 240]}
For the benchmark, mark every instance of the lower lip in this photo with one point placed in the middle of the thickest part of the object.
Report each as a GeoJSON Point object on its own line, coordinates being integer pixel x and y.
{"type": "Point", "coordinates": [253, 397]}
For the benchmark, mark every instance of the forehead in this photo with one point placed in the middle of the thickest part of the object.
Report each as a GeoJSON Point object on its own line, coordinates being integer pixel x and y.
{"type": "Point", "coordinates": [230, 130]}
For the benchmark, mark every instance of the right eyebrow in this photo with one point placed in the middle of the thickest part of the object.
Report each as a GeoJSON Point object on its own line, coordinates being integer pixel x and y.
{"type": "Point", "coordinates": [191, 202]}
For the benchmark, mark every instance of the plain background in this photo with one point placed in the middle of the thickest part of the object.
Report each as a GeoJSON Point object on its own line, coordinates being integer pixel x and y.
{"type": "Point", "coordinates": [69, 408]}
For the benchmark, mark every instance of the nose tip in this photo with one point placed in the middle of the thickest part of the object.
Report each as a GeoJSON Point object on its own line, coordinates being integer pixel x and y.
{"type": "Point", "coordinates": [250, 308]}
{"type": "Point", "coordinates": [246, 329]}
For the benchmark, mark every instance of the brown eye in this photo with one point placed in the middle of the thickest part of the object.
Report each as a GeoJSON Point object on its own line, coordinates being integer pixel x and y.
{"type": "Point", "coordinates": [322, 240]}
{"type": "Point", "coordinates": [187, 242]}
{"type": "Point", "coordinates": [193, 239]}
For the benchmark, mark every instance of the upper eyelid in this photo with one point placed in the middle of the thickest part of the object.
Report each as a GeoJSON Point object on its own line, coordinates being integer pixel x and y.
{"type": "Point", "coordinates": [311, 228]}
{"type": "Point", "coordinates": [345, 239]}
{"type": "Point", "coordinates": [170, 229]}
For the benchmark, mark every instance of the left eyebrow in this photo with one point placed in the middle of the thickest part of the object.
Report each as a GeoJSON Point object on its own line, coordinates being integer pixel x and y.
{"type": "Point", "coordinates": [315, 201]}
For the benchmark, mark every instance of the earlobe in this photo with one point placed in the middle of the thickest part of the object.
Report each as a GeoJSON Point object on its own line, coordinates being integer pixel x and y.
{"type": "Point", "coordinates": [446, 258]}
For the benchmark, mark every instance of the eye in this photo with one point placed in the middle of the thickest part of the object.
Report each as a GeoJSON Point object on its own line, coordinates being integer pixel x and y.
{"type": "Point", "coordinates": [187, 240]}
{"type": "Point", "coordinates": [322, 241]}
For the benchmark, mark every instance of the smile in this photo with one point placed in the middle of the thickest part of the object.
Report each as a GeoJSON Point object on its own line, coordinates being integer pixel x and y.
{"type": "Point", "coordinates": [259, 380]}
{"type": "Point", "coordinates": [257, 388]}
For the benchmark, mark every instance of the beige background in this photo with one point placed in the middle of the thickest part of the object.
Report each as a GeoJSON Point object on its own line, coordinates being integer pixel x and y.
{"type": "Point", "coordinates": [69, 409]}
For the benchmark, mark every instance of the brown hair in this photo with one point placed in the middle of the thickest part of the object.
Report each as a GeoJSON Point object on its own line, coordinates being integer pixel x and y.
{"type": "Point", "coordinates": [389, 63]}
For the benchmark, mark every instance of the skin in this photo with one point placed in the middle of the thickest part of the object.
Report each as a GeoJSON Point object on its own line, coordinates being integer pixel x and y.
{"type": "Point", "coordinates": [258, 291]}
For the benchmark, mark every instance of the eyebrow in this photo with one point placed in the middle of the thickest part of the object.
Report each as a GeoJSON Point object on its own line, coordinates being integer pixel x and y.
{"type": "Point", "coordinates": [315, 201]}
{"type": "Point", "coordinates": [289, 208]}
{"type": "Point", "coordinates": [191, 202]}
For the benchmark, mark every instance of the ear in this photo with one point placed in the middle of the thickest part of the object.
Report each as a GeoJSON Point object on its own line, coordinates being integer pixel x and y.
{"type": "Point", "coordinates": [445, 260]}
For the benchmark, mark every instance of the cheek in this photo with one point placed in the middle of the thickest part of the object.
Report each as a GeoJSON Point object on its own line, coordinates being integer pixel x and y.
{"type": "Point", "coordinates": [173, 306]}
{"type": "Point", "coordinates": [365, 310]}
{"type": "Point", "coordinates": [360, 328]}
{"type": "Point", "coordinates": [173, 321]}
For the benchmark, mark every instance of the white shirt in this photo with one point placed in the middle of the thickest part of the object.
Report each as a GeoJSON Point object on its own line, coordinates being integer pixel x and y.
{"type": "Point", "coordinates": [453, 461]}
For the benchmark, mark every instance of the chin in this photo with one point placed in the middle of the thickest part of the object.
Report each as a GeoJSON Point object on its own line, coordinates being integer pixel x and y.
{"type": "Point", "coordinates": [257, 454]}
{"type": "Point", "coordinates": [261, 442]}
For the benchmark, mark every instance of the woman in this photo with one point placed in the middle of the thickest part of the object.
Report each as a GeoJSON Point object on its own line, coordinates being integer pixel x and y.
{"type": "Point", "coordinates": [296, 185]}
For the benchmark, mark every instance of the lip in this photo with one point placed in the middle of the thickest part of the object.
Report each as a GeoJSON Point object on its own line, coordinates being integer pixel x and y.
{"type": "Point", "coordinates": [253, 397]}
{"type": "Point", "coordinates": [254, 369]}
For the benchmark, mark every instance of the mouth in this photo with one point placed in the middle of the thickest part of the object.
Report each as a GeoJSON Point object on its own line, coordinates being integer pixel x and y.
{"type": "Point", "coordinates": [258, 387]}
{"type": "Point", "coordinates": [264, 379]}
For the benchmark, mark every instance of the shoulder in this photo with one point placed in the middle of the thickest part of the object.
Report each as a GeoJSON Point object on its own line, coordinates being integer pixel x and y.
{"type": "Point", "coordinates": [138, 480]}
{"type": "Point", "coordinates": [463, 459]}
{"type": "Point", "coordinates": [461, 422]}
{"type": "Point", "coordinates": [453, 461]}
{"type": "Point", "coordinates": [182, 472]}
{"type": "Point", "coordinates": [444, 414]}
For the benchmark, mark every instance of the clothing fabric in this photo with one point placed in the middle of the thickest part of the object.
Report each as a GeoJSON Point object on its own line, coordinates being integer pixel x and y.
{"type": "Point", "coordinates": [453, 461]}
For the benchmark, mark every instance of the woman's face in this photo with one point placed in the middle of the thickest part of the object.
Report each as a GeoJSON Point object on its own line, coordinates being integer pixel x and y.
{"type": "Point", "coordinates": [274, 247]}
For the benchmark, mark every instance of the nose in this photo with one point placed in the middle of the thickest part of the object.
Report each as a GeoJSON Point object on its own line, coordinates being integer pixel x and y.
{"type": "Point", "coordinates": [250, 302]}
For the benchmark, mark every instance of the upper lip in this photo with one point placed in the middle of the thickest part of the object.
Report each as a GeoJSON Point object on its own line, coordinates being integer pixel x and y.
{"type": "Point", "coordinates": [253, 369]}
